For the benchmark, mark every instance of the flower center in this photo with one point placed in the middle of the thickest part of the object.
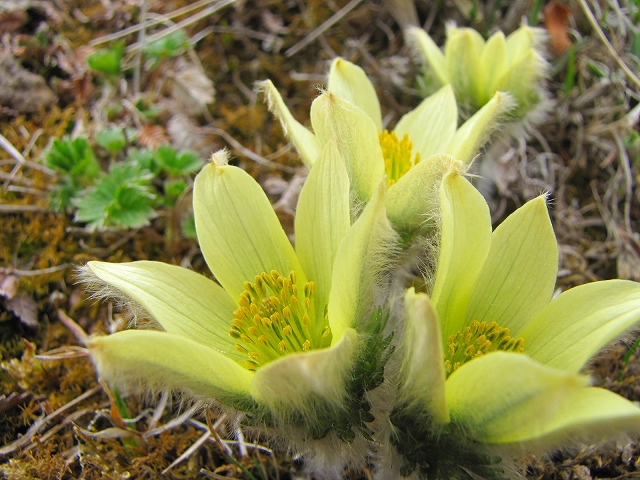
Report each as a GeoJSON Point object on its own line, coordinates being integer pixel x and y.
{"type": "Point", "coordinates": [476, 340]}
{"type": "Point", "coordinates": [397, 155]}
{"type": "Point", "coordinates": [272, 321]}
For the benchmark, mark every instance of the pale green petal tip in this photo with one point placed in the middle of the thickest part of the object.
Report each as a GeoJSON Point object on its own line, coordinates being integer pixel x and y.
{"type": "Point", "coordinates": [475, 132]}
{"type": "Point", "coordinates": [303, 139]}
{"type": "Point", "coordinates": [356, 136]}
{"type": "Point", "coordinates": [296, 382]}
{"type": "Point", "coordinates": [412, 202]}
{"type": "Point", "coordinates": [422, 364]}
{"type": "Point", "coordinates": [426, 50]}
{"type": "Point", "coordinates": [350, 82]}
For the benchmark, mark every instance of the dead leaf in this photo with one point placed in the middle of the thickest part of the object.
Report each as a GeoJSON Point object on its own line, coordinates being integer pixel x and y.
{"type": "Point", "coordinates": [192, 89]}
{"type": "Point", "coordinates": [25, 308]}
{"type": "Point", "coordinates": [9, 286]}
{"type": "Point", "coordinates": [13, 400]}
{"type": "Point", "coordinates": [12, 20]}
{"type": "Point", "coordinates": [556, 19]}
{"type": "Point", "coordinates": [153, 136]}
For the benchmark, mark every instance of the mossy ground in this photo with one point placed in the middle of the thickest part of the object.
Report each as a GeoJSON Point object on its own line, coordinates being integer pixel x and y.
{"type": "Point", "coordinates": [585, 155]}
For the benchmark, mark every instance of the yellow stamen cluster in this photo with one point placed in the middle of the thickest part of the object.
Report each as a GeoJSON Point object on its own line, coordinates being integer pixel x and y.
{"type": "Point", "coordinates": [397, 155]}
{"type": "Point", "coordinates": [476, 340]}
{"type": "Point", "coordinates": [272, 320]}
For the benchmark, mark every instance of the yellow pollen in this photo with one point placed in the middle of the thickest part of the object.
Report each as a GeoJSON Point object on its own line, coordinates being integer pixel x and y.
{"type": "Point", "coordinates": [478, 339]}
{"type": "Point", "coordinates": [397, 155]}
{"type": "Point", "coordinates": [273, 319]}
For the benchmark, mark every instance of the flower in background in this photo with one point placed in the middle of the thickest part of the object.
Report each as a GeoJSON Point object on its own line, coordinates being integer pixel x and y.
{"type": "Point", "coordinates": [412, 156]}
{"type": "Point", "coordinates": [491, 364]}
{"type": "Point", "coordinates": [278, 337]}
{"type": "Point", "coordinates": [477, 69]}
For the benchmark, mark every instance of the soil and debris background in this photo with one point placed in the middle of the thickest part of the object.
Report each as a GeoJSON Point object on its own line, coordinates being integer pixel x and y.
{"type": "Point", "coordinates": [56, 420]}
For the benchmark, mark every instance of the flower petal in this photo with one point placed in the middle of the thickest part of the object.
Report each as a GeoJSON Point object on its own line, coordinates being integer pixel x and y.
{"type": "Point", "coordinates": [181, 301]}
{"type": "Point", "coordinates": [462, 52]}
{"type": "Point", "coordinates": [302, 138]}
{"type": "Point", "coordinates": [464, 246]}
{"type": "Point", "coordinates": [351, 83]}
{"type": "Point", "coordinates": [519, 42]}
{"type": "Point", "coordinates": [589, 415]}
{"type": "Point", "coordinates": [356, 264]}
{"type": "Point", "coordinates": [239, 233]}
{"type": "Point", "coordinates": [422, 365]}
{"type": "Point", "coordinates": [411, 201]}
{"type": "Point", "coordinates": [519, 275]}
{"type": "Point", "coordinates": [428, 51]}
{"type": "Point", "coordinates": [494, 54]}
{"type": "Point", "coordinates": [521, 79]}
{"type": "Point", "coordinates": [322, 220]}
{"type": "Point", "coordinates": [432, 124]}
{"type": "Point", "coordinates": [474, 133]}
{"type": "Point", "coordinates": [295, 382]}
{"type": "Point", "coordinates": [502, 397]}
{"type": "Point", "coordinates": [582, 320]}
{"type": "Point", "coordinates": [357, 139]}
{"type": "Point", "coordinates": [163, 360]}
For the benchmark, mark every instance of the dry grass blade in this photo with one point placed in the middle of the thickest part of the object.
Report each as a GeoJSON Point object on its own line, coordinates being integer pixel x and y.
{"type": "Point", "coordinates": [42, 421]}
{"type": "Point", "coordinates": [149, 23]}
{"type": "Point", "coordinates": [322, 28]}
{"type": "Point", "coordinates": [180, 25]}
{"type": "Point", "coordinates": [11, 150]}
{"type": "Point", "coordinates": [173, 423]}
{"type": "Point", "coordinates": [189, 451]}
{"type": "Point", "coordinates": [34, 273]}
{"type": "Point", "coordinates": [594, 24]}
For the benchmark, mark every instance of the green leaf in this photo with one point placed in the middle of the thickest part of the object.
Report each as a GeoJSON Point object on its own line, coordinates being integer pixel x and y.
{"type": "Point", "coordinates": [120, 199]}
{"type": "Point", "coordinates": [173, 189]}
{"type": "Point", "coordinates": [143, 159]}
{"type": "Point", "coordinates": [189, 227]}
{"type": "Point", "coordinates": [169, 46]}
{"type": "Point", "coordinates": [113, 140]}
{"type": "Point", "coordinates": [72, 157]}
{"type": "Point", "coordinates": [107, 61]}
{"type": "Point", "coordinates": [174, 164]}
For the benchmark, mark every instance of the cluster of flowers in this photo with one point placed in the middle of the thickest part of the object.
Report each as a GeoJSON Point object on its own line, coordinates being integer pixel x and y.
{"type": "Point", "coordinates": [325, 347]}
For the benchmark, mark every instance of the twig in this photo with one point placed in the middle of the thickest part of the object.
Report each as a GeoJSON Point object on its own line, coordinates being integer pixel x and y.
{"type": "Point", "coordinates": [63, 353]}
{"type": "Point", "coordinates": [76, 329]}
{"type": "Point", "coordinates": [42, 421]}
{"type": "Point", "coordinates": [184, 23]}
{"type": "Point", "coordinates": [245, 151]}
{"type": "Point", "coordinates": [11, 208]}
{"type": "Point", "coordinates": [605, 40]}
{"type": "Point", "coordinates": [189, 451]}
{"type": "Point", "coordinates": [11, 150]}
{"type": "Point", "coordinates": [148, 23]}
{"type": "Point", "coordinates": [322, 28]}
{"type": "Point", "coordinates": [34, 273]}
{"type": "Point", "coordinates": [173, 423]}
{"type": "Point", "coordinates": [137, 65]}
{"type": "Point", "coordinates": [626, 169]}
{"type": "Point", "coordinates": [159, 410]}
